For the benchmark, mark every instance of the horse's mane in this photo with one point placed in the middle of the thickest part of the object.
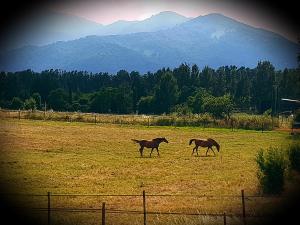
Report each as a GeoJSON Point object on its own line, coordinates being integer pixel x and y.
{"type": "Point", "coordinates": [157, 139]}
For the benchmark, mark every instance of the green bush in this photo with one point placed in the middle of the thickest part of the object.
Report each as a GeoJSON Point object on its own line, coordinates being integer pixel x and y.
{"type": "Point", "coordinates": [272, 166]}
{"type": "Point", "coordinates": [182, 110]}
{"type": "Point", "coordinates": [30, 103]}
{"type": "Point", "coordinates": [294, 156]}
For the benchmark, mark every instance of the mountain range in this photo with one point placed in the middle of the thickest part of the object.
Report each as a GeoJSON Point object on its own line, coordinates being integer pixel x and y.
{"type": "Point", "coordinates": [163, 40]}
{"type": "Point", "coordinates": [46, 27]}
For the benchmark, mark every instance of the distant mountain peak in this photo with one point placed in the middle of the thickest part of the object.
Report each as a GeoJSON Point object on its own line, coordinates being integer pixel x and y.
{"type": "Point", "coordinates": [167, 13]}
{"type": "Point", "coordinates": [170, 15]}
{"type": "Point", "coordinates": [214, 17]}
{"type": "Point", "coordinates": [161, 21]}
{"type": "Point", "coordinates": [122, 22]}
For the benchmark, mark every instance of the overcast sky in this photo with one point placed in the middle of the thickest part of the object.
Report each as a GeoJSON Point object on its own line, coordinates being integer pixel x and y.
{"type": "Point", "coordinates": [108, 11]}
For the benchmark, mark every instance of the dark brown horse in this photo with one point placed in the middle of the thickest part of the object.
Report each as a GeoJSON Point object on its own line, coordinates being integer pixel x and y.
{"type": "Point", "coordinates": [208, 143]}
{"type": "Point", "coordinates": [154, 144]}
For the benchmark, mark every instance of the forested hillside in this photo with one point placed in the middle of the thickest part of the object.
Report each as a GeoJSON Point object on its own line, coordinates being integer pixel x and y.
{"type": "Point", "coordinates": [185, 89]}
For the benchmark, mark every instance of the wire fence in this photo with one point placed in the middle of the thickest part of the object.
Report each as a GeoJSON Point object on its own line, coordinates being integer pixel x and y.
{"type": "Point", "coordinates": [236, 121]}
{"type": "Point", "coordinates": [145, 211]}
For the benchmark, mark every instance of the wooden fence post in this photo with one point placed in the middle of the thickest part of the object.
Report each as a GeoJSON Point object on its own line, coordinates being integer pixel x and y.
{"type": "Point", "coordinates": [49, 209]}
{"type": "Point", "coordinates": [244, 208]}
{"type": "Point", "coordinates": [224, 218]}
{"type": "Point", "coordinates": [262, 127]}
{"type": "Point", "coordinates": [103, 213]}
{"type": "Point", "coordinates": [19, 114]}
{"type": "Point", "coordinates": [45, 109]}
{"type": "Point", "coordinates": [95, 118]}
{"type": "Point", "coordinates": [144, 207]}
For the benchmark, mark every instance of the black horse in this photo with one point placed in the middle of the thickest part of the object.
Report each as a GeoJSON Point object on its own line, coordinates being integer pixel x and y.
{"type": "Point", "coordinates": [154, 144]}
{"type": "Point", "coordinates": [204, 143]}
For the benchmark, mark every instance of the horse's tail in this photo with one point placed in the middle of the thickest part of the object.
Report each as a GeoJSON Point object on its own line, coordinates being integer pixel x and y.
{"type": "Point", "coordinates": [214, 143]}
{"type": "Point", "coordinates": [136, 141]}
{"type": "Point", "coordinates": [191, 141]}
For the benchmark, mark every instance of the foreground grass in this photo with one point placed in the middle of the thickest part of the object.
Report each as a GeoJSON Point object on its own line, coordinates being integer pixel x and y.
{"type": "Point", "coordinates": [61, 157]}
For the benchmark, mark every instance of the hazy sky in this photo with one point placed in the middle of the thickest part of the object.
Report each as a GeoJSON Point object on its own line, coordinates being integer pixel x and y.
{"type": "Point", "coordinates": [109, 11]}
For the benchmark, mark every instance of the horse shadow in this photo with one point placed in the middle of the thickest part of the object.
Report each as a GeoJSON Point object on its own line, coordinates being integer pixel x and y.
{"type": "Point", "coordinates": [147, 157]}
{"type": "Point", "coordinates": [205, 156]}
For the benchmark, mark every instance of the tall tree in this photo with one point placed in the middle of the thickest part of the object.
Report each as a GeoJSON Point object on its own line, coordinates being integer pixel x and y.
{"type": "Point", "coordinates": [166, 93]}
{"type": "Point", "coordinates": [58, 99]}
{"type": "Point", "coordinates": [263, 83]}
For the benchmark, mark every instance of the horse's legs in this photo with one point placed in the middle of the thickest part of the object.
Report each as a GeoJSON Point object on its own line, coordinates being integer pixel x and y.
{"type": "Point", "coordinates": [157, 151]}
{"type": "Point", "coordinates": [207, 151]}
{"type": "Point", "coordinates": [194, 150]}
{"type": "Point", "coordinates": [141, 151]}
{"type": "Point", "coordinates": [197, 149]}
{"type": "Point", "coordinates": [151, 151]}
{"type": "Point", "coordinates": [213, 151]}
{"type": "Point", "coordinates": [210, 149]}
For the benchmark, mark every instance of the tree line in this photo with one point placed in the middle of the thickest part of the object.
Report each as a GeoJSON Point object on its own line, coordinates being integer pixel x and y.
{"type": "Point", "coordinates": [184, 89]}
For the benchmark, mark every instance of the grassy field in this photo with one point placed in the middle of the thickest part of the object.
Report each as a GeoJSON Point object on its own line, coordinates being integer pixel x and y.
{"type": "Point", "coordinates": [85, 158]}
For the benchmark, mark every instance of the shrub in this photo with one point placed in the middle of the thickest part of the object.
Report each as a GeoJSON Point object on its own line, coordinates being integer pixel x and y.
{"type": "Point", "coordinates": [272, 166]}
{"type": "Point", "coordinates": [218, 107]}
{"type": "Point", "coordinates": [38, 100]}
{"type": "Point", "coordinates": [294, 156]}
{"type": "Point", "coordinates": [30, 103]}
{"type": "Point", "coordinates": [182, 109]}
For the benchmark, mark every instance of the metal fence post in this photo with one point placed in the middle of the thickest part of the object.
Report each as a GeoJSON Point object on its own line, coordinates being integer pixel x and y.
{"type": "Point", "coordinates": [244, 208]}
{"type": "Point", "coordinates": [103, 213]}
{"type": "Point", "coordinates": [224, 217]}
{"type": "Point", "coordinates": [49, 208]}
{"type": "Point", "coordinates": [144, 207]}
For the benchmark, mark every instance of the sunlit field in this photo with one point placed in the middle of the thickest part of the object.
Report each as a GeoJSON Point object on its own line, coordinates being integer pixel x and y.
{"type": "Point", "coordinates": [85, 158]}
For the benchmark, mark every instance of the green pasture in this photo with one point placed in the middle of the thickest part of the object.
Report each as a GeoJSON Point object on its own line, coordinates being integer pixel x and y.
{"type": "Point", "coordinates": [86, 158]}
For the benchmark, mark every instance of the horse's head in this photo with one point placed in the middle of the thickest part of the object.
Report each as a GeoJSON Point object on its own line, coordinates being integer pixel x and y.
{"type": "Point", "coordinates": [218, 147]}
{"type": "Point", "coordinates": [162, 139]}
{"type": "Point", "coordinates": [213, 142]}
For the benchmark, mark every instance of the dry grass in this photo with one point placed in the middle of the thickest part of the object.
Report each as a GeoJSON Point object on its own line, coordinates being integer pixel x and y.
{"type": "Point", "coordinates": [81, 158]}
{"type": "Point", "coordinates": [237, 121]}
